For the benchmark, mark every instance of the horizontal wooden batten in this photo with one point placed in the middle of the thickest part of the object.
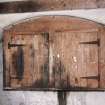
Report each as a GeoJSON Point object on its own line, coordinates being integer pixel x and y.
{"type": "Point", "coordinates": [36, 33]}
{"type": "Point", "coordinates": [46, 5]}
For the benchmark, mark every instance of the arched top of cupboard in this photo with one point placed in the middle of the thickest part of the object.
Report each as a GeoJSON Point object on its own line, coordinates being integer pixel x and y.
{"type": "Point", "coordinates": [53, 24]}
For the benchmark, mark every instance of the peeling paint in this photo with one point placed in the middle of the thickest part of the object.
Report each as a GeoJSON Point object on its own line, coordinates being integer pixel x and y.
{"type": "Point", "coordinates": [74, 59]}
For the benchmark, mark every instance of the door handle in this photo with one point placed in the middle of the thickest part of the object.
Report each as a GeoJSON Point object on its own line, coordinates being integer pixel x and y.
{"type": "Point", "coordinates": [92, 42]}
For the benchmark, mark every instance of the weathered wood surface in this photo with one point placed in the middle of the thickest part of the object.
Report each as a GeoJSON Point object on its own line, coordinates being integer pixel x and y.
{"type": "Point", "coordinates": [46, 5]}
{"type": "Point", "coordinates": [54, 52]}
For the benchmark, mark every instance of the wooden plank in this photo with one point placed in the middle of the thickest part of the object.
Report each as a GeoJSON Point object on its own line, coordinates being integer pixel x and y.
{"type": "Point", "coordinates": [56, 54]}
{"type": "Point", "coordinates": [70, 58]}
{"type": "Point", "coordinates": [42, 5]}
{"type": "Point", "coordinates": [75, 64]}
{"type": "Point", "coordinates": [102, 58]}
{"type": "Point", "coordinates": [28, 61]}
{"type": "Point", "coordinates": [44, 58]}
{"type": "Point", "coordinates": [6, 60]}
{"type": "Point", "coordinates": [14, 64]}
{"type": "Point", "coordinates": [51, 62]}
{"type": "Point", "coordinates": [40, 64]}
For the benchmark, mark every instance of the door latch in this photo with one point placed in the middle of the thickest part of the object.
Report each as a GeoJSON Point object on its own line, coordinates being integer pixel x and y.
{"type": "Point", "coordinates": [92, 42]}
{"type": "Point", "coordinates": [14, 45]}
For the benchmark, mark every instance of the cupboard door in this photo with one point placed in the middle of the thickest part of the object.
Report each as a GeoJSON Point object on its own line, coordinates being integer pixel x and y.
{"type": "Point", "coordinates": [74, 59]}
{"type": "Point", "coordinates": [54, 60]}
{"type": "Point", "coordinates": [89, 60]}
{"type": "Point", "coordinates": [28, 61]}
{"type": "Point", "coordinates": [21, 64]}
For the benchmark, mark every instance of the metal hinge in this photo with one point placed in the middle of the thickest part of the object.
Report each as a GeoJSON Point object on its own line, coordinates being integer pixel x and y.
{"type": "Point", "coordinates": [14, 45]}
{"type": "Point", "coordinates": [92, 42]}
{"type": "Point", "coordinates": [15, 77]}
{"type": "Point", "coordinates": [91, 77]}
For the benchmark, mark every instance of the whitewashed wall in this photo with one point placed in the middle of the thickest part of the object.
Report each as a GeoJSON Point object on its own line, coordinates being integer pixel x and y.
{"type": "Point", "coordinates": [49, 98]}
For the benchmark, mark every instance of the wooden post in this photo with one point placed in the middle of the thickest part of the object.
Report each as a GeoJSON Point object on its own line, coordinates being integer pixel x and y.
{"type": "Point", "coordinates": [62, 98]}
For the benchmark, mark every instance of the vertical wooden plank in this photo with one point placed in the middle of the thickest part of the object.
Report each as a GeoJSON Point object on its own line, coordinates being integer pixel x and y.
{"type": "Point", "coordinates": [45, 53]}
{"type": "Point", "coordinates": [57, 66]}
{"type": "Point", "coordinates": [51, 61]}
{"type": "Point", "coordinates": [41, 61]}
{"type": "Point", "coordinates": [81, 56]}
{"type": "Point", "coordinates": [28, 69]}
{"type": "Point", "coordinates": [37, 81]}
{"type": "Point", "coordinates": [71, 44]}
{"type": "Point", "coordinates": [102, 58]}
{"type": "Point", "coordinates": [13, 63]}
{"type": "Point", "coordinates": [64, 77]}
{"type": "Point", "coordinates": [6, 60]}
{"type": "Point", "coordinates": [56, 59]}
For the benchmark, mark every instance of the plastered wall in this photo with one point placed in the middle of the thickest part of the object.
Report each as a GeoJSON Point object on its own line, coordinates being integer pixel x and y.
{"type": "Point", "coordinates": [49, 98]}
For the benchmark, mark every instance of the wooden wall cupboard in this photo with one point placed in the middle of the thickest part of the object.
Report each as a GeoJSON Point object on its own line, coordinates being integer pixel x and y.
{"type": "Point", "coordinates": [54, 53]}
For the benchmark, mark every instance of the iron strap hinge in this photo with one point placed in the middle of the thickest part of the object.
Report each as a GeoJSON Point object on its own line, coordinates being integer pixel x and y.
{"type": "Point", "coordinates": [92, 42]}
{"type": "Point", "coordinates": [91, 77]}
{"type": "Point", "coordinates": [14, 45]}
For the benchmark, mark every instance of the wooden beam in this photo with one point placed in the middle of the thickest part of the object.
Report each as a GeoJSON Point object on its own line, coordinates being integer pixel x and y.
{"type": "Point", "coordinates": [19, 7]}
{"type": "Point", "coordinates": [46, 5]}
